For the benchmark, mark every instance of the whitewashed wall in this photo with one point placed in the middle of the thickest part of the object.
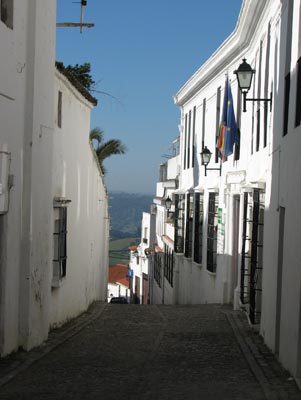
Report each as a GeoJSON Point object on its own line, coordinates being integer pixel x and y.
{"type": "Point", "coordinates": [26, 112]}
{"type": "Point", "coordinates": [140, 263]}
{"type": "Point", "coordinates": [77, 177]}
{"type": "Point", "coordinates": [274, 167]}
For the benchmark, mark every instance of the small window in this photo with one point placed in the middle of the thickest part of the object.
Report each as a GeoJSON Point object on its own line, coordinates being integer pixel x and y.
{"type": "Point", "coordinates": [60, 245]}
{"type": "Point", "coordinates": [59, 109]}
{"type": "Point", "coordinates": [6, 12]}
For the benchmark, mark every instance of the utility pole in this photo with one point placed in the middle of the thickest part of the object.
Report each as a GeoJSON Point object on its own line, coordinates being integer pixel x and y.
{"type": "Point", "coordinates": [80, 24]}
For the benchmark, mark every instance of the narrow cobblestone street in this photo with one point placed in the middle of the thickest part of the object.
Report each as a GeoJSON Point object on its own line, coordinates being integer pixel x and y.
{"type": "Point", "coordinates": [149, 352]}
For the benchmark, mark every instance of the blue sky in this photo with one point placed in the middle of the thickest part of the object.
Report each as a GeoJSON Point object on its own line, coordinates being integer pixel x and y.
{"type": "Point", "coordinates": [142, 52]}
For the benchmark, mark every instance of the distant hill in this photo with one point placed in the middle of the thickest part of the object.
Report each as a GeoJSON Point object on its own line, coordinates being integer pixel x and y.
{"type": "Point", "coordinates": [126, 213]}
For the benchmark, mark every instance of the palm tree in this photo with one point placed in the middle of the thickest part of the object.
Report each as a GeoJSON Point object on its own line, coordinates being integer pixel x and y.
{"type": "Point", "coordinates": [103, 149]}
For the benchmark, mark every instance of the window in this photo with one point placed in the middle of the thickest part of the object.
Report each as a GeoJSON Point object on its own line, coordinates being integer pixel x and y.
{"type": "Point", "coordinates": [252, 253]}
{"type": "Point", "coordinates": [59, 109]}
{"type": "Point", "coordinates": [238, 123]}
{"type": "Point", "coordinates": [157, 268]}
{"type": "Point", "coordinates": [212, 232]}
{"type": "Point", "coordinates": [193, 135]}
{"type": "Point", "coordinates": [298, 95]}
{"type": "Point", "coordinates": [179, 223]}
{"type": "Point", "coordinates": [288, 57]}
{"type": "Point", "coordinates": [218, 120]}
{"type": "Point", "coordinates": [198, 228]}
{"type": "Point", "coordinates": [168, 264]}
{"type": "Point", "coordinates": [266, 86]}
{"type": "Point", "coordinates": [189, 140]}
{"type": "Point", "coordinates": [189, 224]}
{"type": "Point", "coordinates": [258, 113]}
{"type": "Point", "coordinates": [60, 244]}
{"type": "Point", "coordinates": [287, 87]}
{"type": "Point", "coordinates": [185, 141]}
{"type": "Point", "coordinates": [7, 12]}
{"type": "Point", "coordinates": [204, 124]}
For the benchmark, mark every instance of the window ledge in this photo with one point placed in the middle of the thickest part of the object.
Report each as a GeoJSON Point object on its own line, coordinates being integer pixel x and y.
{"type": "Point", "coordinates": [197, 264]}
{"type": "Point", "coordinates": [211, 273]}
{"type": "Point", "coordinates": [57, 282]}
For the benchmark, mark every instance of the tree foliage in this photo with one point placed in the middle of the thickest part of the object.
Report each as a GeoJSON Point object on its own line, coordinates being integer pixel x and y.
{"type": "Point", "coordinates": [82, 73]}
{"type": "Point", "coordinates": [104, 149]}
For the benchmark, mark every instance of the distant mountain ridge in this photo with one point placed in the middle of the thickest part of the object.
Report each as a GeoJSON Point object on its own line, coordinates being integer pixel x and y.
{"type": "Point", "coordinates": [126, 213]}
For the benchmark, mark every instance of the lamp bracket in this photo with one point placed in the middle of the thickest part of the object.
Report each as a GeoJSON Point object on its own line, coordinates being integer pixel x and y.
{"type": "Point", "coordinates": [256, 99]}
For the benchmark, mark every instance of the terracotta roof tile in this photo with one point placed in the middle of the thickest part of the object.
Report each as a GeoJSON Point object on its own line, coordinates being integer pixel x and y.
{"type": "Point", "coordinates": [117, 274]}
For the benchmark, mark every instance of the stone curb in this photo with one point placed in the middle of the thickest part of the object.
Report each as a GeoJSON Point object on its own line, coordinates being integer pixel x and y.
{"type": "Point", "coordinates": [275, 381]}
{"type": "Point", "coordinates": [255, 368]}
{"type": "Point", "coordinates": [56, 338]}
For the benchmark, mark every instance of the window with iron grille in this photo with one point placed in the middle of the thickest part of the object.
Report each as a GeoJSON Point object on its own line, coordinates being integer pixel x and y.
{"type": "Point", "coordinates": [212, 232]}
{"type": "Point", "coordinates": [198, 227]}
{"type": "Point", "coordinates": [252, 253]}
{"type": "Point", "coordinates": [168, 264]}
{"type": "Point", "coordinates": [7, 12]}
{"type": "Point", "coordinates": [189, 225]}
{"type": "Point", "coordinates": [60, 244]}
{"type": "Point", "coordinates": [157, 268]}
{"type": "Point", "coordinates": [179, 223]}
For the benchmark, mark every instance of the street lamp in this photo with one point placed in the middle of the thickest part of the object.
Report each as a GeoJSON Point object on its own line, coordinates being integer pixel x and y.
{"type": "Point", "coordinates": [206, 157]}
{"type": "Point", "coordinates": [244, 75]}
{"type": "Point", "coordinates": [168, 203]}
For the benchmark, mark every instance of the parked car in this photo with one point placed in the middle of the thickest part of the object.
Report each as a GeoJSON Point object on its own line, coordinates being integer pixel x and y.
{"type": "Point", "coordinates": [119, 300]}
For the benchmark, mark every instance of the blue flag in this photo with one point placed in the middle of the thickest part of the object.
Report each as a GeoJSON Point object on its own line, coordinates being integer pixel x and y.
{"type": "Point", "coordinates": [231, 134]}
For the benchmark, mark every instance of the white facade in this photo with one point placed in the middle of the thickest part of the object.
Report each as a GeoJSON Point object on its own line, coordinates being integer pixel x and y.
{"type": "Point", "coordinates": [77, 179]}
{"type": "Point", "coordinates": [140, 262]}
{"type": "Point", "coordinates": [28, 303]}
{"type": "Point", "coordinates": [165, 275]}
{"type": "Point", "coordinates": [26, 112]}
{"type": "Point", "coordinates": [117, 290]}
{"type": "Point", "coordinates": [238, 243]}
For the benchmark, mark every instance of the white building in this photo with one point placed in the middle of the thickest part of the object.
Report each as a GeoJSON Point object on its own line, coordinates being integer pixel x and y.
{"type": "Point", "coordinates": [236, 231]}
{"type": "Point", "coordinates": [118, 282]}
{"type": "Point", "coordinates": [164, 279]}
{"type": "Point", "coordinates": [29, 302]}
{"type": "Point", "coordinates": [81, 203]}
{"type": "Point", "coordinates": [140, 269]}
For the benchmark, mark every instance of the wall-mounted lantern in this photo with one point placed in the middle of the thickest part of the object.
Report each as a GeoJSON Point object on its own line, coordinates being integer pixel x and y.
{"type": "Point", "coordinates": [244, 75]}
{"type": "Point", "coordinates": [206, 157]}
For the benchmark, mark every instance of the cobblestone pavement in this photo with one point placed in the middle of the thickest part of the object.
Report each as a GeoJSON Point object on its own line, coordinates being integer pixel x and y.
{"type": "Point", "coordinates": [149, 352]}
